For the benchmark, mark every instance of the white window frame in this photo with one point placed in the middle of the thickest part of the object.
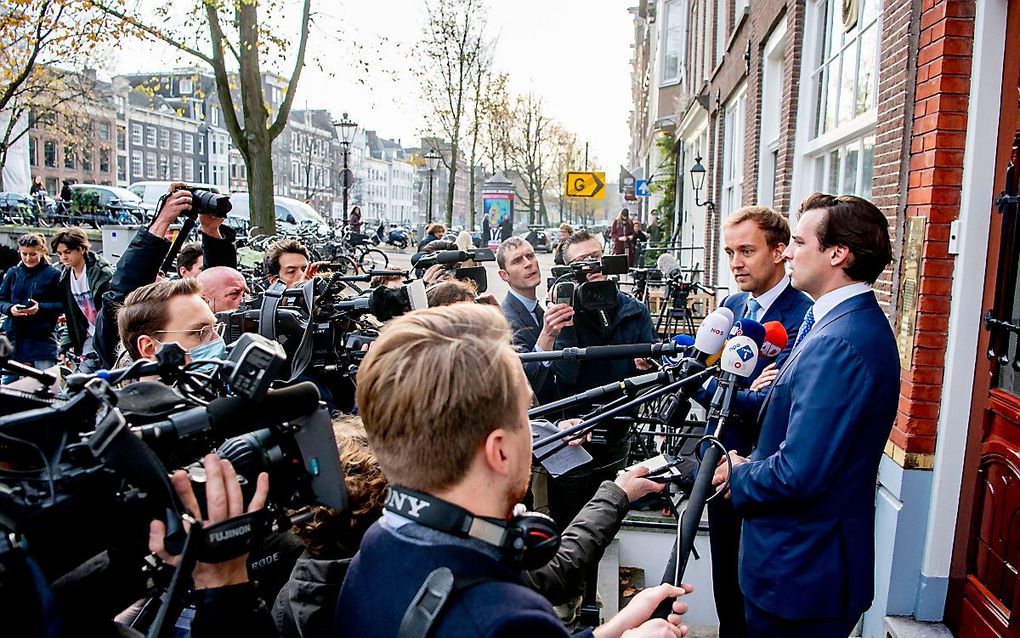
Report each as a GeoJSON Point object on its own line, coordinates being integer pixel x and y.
{"type": "Point", "coordinates": [150, 136]}
{"type": "Point", "coordinates": [721, 32]}
{"type": "Point", "coordinates": [137, 170]}
{"type": "Point", "coordinates": [673, 40]}
{"type": "Point", "coordinates": [809, 146]}
{"type": "Point", "coordinates": [150, 165]}
{"type": "Point", "coordinates": [773, 73]}
{"type": "Point", "coordinates": [732, 174]}
{"type": "Point", "coordinates": [189, 143]}
{"type": "Point", "coordinates": [176, 141]}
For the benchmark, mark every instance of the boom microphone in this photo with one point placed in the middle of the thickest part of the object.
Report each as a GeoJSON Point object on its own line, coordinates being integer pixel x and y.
{"type": "Point", "coordinates": [231, 416]}
{"type": "Point", "coordinates": [668, 266]}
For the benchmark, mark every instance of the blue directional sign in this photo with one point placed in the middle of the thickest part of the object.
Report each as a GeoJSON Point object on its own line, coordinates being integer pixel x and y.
{"type": "Point", "coordinates": [641, 188]}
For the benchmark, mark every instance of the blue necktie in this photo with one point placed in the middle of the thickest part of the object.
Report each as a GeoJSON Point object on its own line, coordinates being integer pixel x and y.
{"type": "Point", "coordinates": [805, 328]}
{"type": "Point", "coordinates": [753, 309]}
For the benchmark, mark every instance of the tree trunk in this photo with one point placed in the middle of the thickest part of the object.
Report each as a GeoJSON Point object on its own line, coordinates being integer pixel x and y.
{"type": "Point", "coordinates": [471, 197]}
{"type": "Point", "coordinates": [454, 151]}
{"type": "Point", "coordinates": [260, 187]}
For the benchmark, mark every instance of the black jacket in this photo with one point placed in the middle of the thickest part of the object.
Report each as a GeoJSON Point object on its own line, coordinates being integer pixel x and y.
{"type": "Point", "coordinates": [34, 337]}
{"type": "Point", "coordinates": [100, 274]}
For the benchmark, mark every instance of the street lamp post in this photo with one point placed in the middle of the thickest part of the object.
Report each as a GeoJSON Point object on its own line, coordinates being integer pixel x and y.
{"type": "Point", "coordinates": [698, 182]}
{"type": "Point", "coordinates": [346, 129]}
{"type": "Point", "coordinates": [432, 161]}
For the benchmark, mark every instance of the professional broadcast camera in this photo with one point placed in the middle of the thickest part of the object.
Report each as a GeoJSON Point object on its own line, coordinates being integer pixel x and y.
{"type": "Point", "coordinates": [570, 285]}
{"type": "Point", "coordinates": [81, 478]}
{"type": "Point", "coordinates": [451, 260]}
{"type": "Point", "coordinates": [320, 325]}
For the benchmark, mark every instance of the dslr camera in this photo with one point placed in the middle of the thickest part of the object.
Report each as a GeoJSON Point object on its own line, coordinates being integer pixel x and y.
{"type": "Point", "coordinates": [203, 202]}
{"type": "Point", "coordinates": [570, 285]}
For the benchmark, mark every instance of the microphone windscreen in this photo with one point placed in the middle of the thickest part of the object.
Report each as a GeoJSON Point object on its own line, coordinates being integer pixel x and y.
{"type": "Point", "coordinates": [726, 311]}
{"type": "Point", "coordinates": [683, 341]}
{"type": "Point", "coordinates": [231, 416]}
{"type": "Point", "coordinates": [712, 333]}
{"type": "Point", "coordinates": [775, 340]}
{"type": "Point", "coordinates": [415, 258]}
{"type": "Point", "coordinates": [667, 263]}
{"type": "Point", "coordinates": [749, 328]}
{"type": "Point", "coordinates": [740, 356]}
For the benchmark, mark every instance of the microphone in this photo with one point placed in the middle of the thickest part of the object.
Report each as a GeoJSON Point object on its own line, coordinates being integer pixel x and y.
{"type": "Point", "coordinates": [707, 342]}
{"type": "Point", "coordinates": [683, 341]}
{"type": "Point", "coordinates": [748, 328]}
{"type": "Point", "coordinates": [726, 311]}
{"type": "Point", "coordinates": [739, 357]}
{"type": "Point", "coordinates": [775, 340]}
{"type": "Point", "coordinates": [621, 351]}
{"type": "Point", "coordinates": [230, 416]}
{"type": "Point", "coordinates": [629, 385]}
{"type": "Point", "coordinates": [668, 266]}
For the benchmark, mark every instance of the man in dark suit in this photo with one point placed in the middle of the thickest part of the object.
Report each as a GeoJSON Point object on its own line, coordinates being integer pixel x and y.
{"type": "Point", "coordinates": [534, 328]}
{"type": "Point", "coordinates": [807, 493]}
{"type": "Point", "coordinates": [754, 239]}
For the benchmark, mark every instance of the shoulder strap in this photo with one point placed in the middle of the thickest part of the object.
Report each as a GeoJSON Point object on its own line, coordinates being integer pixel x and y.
{"type": "Point", "coordinates": [433, 595]}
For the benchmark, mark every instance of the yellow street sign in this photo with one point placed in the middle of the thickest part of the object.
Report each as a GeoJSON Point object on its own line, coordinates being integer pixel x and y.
{"type": "Point", "coordinates": [586, 184]}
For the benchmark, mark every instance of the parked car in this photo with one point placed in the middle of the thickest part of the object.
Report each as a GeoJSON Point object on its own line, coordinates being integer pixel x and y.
{"type": "Point", "coordinates": [113, 204]}
{"type": "Point", "coordinates": [150, 192]}
{"type": "Point", "coordinates": [290, 213]}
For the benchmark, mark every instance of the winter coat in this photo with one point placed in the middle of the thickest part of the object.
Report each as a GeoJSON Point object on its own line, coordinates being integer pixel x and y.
{"type": "Point", "coordinates": [100, 274]}
{"type": "Point", "coordinates": [34, 337]}
{"type": "Point", "coordinates": [305, 606]}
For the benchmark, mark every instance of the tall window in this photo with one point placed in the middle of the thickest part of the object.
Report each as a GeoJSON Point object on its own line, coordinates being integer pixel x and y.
{"type": "Point", "coordinates": [86, 159]}
{"type": "Point", "coordinates": [177, 141]}
{"type": "Point", "coordinates": [122, 138]}
{"type": "Point", "coordinates": [150, 136]}
{"type": "Point", "coordinates": [732, 173]}
{"type": "Point", "coordinates": [189, 143]}
{"type": "Point", "coordinates": [122, 168]}
{"type": "Point", "coordinates": [104, 160]}
{"type": "Point", "coordinates": [33, 152]}
{"type": "Point", "coordinates": [721, 14]}
{"type": "Point", "coordinates": [189, 169]}
{"type": "Point", "coordinates": [68, 156]}
{"type": "Point", "coordinates": [150, 165]}
{"type": "Point", "coordinates": [164, 139]}
{"type": "Point", "coordinates": [104, 130]}
{"type": "Point", "coordinates": [136, 165]}
{"type": "Point", "coordinates": [176, 168]}
{"type": "Point", "coordinates": [844, 78]}
{"type": "Point", "coordinates": [672, 42]}
{"type": "Point", "coordinates": [136, 134]}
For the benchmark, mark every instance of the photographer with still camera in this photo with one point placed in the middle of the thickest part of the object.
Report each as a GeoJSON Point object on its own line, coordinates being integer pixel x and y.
{"type": "Point", "coordinates": [150, 250]}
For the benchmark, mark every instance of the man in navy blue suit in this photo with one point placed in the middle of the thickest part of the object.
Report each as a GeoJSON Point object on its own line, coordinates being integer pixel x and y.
{"type": "Point", "coordinates": [534, 328]}
{"type": "Point", "coordinates": [807, 492]}
{"type": "Point", "coordinates": [755, 238]}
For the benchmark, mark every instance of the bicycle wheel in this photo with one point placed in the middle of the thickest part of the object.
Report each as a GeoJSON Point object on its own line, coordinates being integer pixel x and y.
{"type": "Point", "coordinates": [373, 259]}
{"type": "Point", "coordinates": [345, 265]}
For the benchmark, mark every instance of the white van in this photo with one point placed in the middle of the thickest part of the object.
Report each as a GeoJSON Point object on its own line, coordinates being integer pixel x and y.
{"type": "Point", "coordinates": [150, 192]}
{"type": "Point", "coordinates": [290, 213]}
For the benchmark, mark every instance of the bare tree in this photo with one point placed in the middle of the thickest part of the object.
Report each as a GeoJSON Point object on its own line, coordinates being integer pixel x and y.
{"type": "Point", "coordinates": [452, 49]}
{"type": "Point", "coordinates": [236, 38]}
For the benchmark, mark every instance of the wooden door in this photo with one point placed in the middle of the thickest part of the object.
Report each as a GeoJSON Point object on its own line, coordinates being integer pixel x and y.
{"type": "Point", "coordinates": [986, 601]}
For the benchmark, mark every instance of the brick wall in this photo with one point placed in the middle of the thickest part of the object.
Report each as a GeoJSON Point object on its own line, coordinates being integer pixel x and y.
{"type": "Point", "coordinates": [934, 171]}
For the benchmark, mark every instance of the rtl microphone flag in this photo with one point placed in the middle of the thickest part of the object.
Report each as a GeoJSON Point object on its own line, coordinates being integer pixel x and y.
{"type": "Point", "coordinates": [775, 340]}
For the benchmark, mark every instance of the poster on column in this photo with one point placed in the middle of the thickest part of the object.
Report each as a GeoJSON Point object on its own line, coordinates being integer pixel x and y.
{"type": "Point", "coordinates": [497, 217]}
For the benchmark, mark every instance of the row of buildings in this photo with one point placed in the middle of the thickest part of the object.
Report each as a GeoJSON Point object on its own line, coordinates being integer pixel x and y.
{"type": "Point", "coordinates": [913, 105]}
{"type": "Point", "coordinates": [170, 126]}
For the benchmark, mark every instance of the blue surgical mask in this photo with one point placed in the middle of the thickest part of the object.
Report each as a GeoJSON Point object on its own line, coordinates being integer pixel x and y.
{"type": "Point", "coordinates": [215, 349]}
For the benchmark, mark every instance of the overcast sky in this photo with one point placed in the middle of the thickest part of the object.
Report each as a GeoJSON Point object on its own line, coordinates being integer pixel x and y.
{"type": "Point", "coordinates": [573, 53]}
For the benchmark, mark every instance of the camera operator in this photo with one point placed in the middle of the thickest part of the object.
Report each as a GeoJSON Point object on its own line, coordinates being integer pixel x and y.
{"type": "Point", "coordinates": [290, 262]}
{"type": "Point", "coordinates": [141, 261]}
{"type": "Point", "coordinates": [534, 329]}
{"type": "Point", "coordinates": [458, 464]}
{"type": "Point", "coordinates": [628, 323]}
{"type": "Point", "coordinates": [169, 311]}
{"type": "Point", "coordinates": [223, 288]}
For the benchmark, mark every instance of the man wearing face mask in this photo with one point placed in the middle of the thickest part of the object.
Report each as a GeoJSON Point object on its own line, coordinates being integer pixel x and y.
{"type": "Point", "coordinates": [165, 312]}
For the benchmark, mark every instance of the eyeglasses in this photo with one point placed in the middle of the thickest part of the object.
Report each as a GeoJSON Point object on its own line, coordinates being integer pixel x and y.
{"type": "Point", "coordinates": [29, 242]}
{"type": "Point", "coordinates": [205, 333]}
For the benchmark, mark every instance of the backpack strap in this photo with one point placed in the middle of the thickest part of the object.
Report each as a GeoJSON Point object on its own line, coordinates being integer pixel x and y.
{"type": "Point", "coordinates": [433, 595]}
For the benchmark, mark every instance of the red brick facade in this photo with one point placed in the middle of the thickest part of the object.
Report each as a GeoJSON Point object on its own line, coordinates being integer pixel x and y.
{"type": "Point", "coordinates": [935, 172]}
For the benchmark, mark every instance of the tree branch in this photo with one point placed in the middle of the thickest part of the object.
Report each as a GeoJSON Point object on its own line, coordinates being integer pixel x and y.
{"type": "Point", "coordinates": [281, 117]}
{"type": "Point", "coordinates": [152, 31]}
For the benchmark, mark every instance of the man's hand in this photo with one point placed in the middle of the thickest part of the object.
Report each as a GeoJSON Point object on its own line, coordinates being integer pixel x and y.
{"type": "Point", "coordinates": [178, 203]}
{"type": "Point", "coordinates": [32, 309]}
{"type": "Point", "coordinates": [435, 274]}
{"type": "Point", "coordinates": [722, 472]}
{"type": "Point", "coordinates": [223, 500]}
{"type": "Point", "coordinates": [631, 482]}
{"type": "Point", "coordinates": [313, 268]}
{"type": "Point", "coordinates": [557, 317]}
{"type": "Point", "coordinates": [765, 379]}
{"type": "Point", "coordinates": [210, 225]}
{"type": "Point", "coordinates": [642, 363]}
{"type": "Point", "coordinates": [633, 620]}
{"type": "Point", "coordinates": [569, 423]}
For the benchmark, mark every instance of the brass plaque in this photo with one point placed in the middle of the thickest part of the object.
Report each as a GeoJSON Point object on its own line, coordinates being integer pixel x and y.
{"type": "Point", "coordinates": [910, 281]}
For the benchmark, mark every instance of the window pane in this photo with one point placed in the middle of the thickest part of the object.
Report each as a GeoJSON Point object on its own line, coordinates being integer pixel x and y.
{"type": "Point", "coordinates": [832, 96]}
{"type": "Point", "coordinates": [846, 83]}
{"type": "Point", "coordinates": [832, 184]}
{"type": "Point", "coordinates": [866, 72]}
{"type": "Point", "coordinates": [819, 84]}
{"type": "Point", "coordinates": [820, 174]}
{"type": "Point", "coordinates": [833, 29]}
{"type": "Point", "coordinates": [850, 170]}
{"type": "Point", "coordinates": [867, 166]}
{"type": "Point", "coordinates": [869, 11]}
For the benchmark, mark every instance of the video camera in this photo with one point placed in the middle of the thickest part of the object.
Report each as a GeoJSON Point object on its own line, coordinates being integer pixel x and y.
{"type": "Point", "coordinates": [81, 477]}
{"type": "Point", "coordinates": [451, 260]}
{"type": "Point", "coordinates": [570, 285]}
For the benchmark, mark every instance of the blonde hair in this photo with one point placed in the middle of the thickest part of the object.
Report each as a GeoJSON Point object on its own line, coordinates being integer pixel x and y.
{"type": "Point", "coordinates": [433, 386]}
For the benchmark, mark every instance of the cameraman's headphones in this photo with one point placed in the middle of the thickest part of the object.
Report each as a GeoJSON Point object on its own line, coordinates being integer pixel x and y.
{"type": "Point", "coordinates": [527, 541]}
